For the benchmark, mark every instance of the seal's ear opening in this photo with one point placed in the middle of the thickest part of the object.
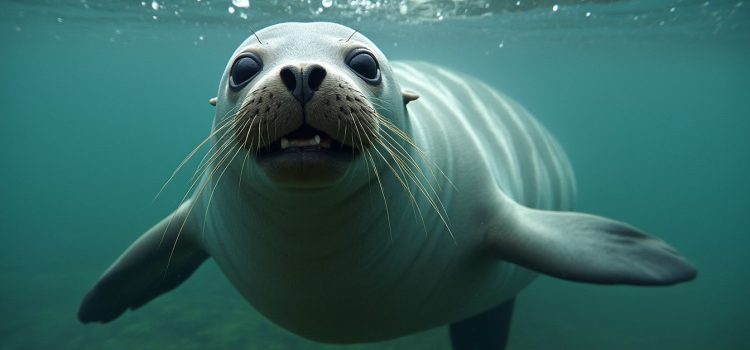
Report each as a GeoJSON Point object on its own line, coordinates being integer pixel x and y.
{"type": "Point", "coordinates": [409, 96]}
{"type": "Point", "coordinates": [212, 101]}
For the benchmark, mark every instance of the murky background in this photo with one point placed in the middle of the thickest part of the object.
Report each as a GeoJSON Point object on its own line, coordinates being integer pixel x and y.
{"type": "Point", "coordinates": [100, 100]}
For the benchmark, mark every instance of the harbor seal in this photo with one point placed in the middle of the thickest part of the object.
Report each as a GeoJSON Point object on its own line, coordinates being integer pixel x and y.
{"type": "Point", "coordinates": [348, 210]}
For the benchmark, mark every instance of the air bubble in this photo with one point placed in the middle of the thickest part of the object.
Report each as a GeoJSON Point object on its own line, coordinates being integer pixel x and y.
{"type": "Point", "coordinates": [241, 3]}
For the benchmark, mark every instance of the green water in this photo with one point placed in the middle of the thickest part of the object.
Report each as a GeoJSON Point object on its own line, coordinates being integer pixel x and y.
{"type": "Point", "coordinates": [99, 101]}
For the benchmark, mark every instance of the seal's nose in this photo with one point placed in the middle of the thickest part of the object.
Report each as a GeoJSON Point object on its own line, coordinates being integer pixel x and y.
{"type": "Point", "coordinates": [302, 81]}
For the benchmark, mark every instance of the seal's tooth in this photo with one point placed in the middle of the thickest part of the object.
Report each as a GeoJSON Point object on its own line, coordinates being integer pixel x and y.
{"type": "Point", "coordinates": [284, 143]}
{"type": "Point", "coordinates": [317, 139]}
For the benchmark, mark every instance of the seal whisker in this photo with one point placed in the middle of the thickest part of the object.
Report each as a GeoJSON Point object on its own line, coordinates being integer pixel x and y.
{"type": "Point", "coordinates": [227, 146]}
{"type": "Point", "coordinates": [420, 186]}
{"type": "Point", "coordinates": [407, 173]}
{"type": "Point", "coordinates": [382, 192]}
{"type": "Point", "coordinates": [242, 170]}
{"type": "Point", "coordinates": [356, 128]}
{"type": "Point", "coordinates": [416, 210]}
{"type": "Point", "coordinates": [190, 156]}
{"type": "Point", "coordinates": [402, 179]}
{"type": "Point", "coordinates": [247, 128]}
{"type": "Point", "coordinates": [414, 164]}
{"type": "Point", "coordinates": [404, 174]}
{"type": "Point", "coordinates": [192, 206]}
{"type": "Point", "coordinates": [268, 135]}
{"type": "Point", "coordinates": [256, 36]}
{"type": "Point", "coordinates": [247, 153]}
{"type": "Point", "coordinates": [404, 153]}
{"type": "Point", "coordinates": [213, 190]}
{"type": "Point", "coordinates": [249, 145]}
{"type": "Point", "coordinates": [390, 126]}
{"type": "Point", "coordinates": [420, 152]}
{"type": "Point", "coordinates": [433, 201]}
{"type": "Point", "coordinates": [417, 179]}
{"type": "Point", "coordinates": [380, 105]}
{"type": "Point", "coordinates": [217, 153]}
{"type": "Point", "coordinates": [222, 152]}
{"type": "Point", "coordinates": [398, 132]}
{"type": "Point", "coordinates": [350, 36]}
{"type": "Point", "coordinates": [190, 210]}
{"type": "Point", "coordinates": [214, 153]}
{"type": "Point", "coordinates": [225, 122]}
{"type": "Point", "coordinates": [369, 141]}
{"type": "Point", "coordinates": [375, 171]}
{"type": "Point", "coordinates": [208, 157]}
{"type": "Point", "coordinates": [194, 180]}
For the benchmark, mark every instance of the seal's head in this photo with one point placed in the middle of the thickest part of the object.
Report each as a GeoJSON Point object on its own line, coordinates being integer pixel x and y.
{"type": "Point", "coordinates": [305, 100]}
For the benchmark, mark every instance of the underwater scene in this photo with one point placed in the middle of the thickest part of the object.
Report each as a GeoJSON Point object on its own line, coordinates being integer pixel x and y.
{"type": "Point", "coordinates": [100, 101]}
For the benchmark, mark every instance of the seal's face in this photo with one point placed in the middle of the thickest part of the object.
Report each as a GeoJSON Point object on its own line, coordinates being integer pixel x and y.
{"type": "Point", "coordinates": [305, 100]}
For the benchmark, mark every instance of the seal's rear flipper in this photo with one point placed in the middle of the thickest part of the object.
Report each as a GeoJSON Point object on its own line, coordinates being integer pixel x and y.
{"type": "Point", "coordinates": [144, 271]}
{"type": "Point", "coordinates": [586, 248]}
{"type": "Point", "coordinates": [488, 330]}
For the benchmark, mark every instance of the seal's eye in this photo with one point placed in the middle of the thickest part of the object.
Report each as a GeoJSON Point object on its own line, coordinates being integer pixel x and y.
{"type": "Point", "coordinates": [364, 64]}
{"type": "Point", "coordinates": [243, 70]}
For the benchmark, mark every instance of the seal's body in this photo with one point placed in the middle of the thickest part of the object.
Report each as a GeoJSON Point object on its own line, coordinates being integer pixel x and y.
{"type": "Point", "coordinates": [353, 270]}
{"type": "Point", "coordinates": [358, 218]}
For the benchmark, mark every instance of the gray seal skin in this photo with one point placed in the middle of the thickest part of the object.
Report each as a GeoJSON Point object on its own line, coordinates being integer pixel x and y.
{"type": "Point", "coordinates": [344, 215]}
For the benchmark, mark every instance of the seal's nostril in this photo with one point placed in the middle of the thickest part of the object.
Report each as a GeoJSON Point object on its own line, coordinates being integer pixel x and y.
{"type": "Point", "coordinates": [289, 79]}
{"type": "Point", "coordinates": [317, 74]}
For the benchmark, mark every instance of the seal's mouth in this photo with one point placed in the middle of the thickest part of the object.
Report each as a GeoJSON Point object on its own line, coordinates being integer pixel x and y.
{"type": "Point", "coordinates": [306, 140]}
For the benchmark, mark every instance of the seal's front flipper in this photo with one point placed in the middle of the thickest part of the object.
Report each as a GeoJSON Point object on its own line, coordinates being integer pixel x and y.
{"type": "Point", "coordinates": [148, 268]}
{"type": "Point", "coordinates": [586, 248]}
{"type": "Point", "coordinates": [488, 330]}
